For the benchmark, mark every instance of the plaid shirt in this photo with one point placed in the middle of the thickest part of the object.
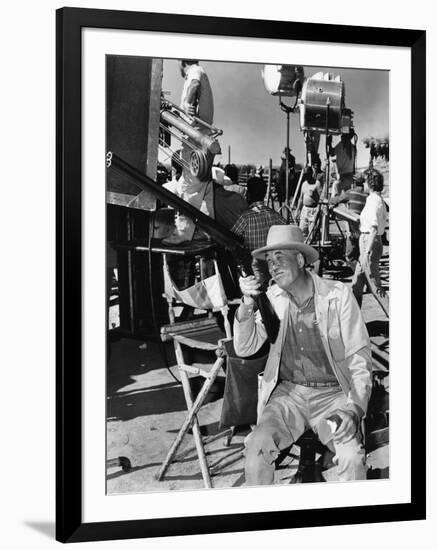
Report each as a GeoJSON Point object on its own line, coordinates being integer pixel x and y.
{"type": "Point", "coordinates": [254, 224]}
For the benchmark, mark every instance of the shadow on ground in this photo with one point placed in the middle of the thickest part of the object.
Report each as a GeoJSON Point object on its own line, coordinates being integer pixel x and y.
{"type": "Point", "coordinates": [129, 358]}
{"type": "Point", "coordinates": [158, 399]}
{"type": "Point", "coordinates": [145, 402]}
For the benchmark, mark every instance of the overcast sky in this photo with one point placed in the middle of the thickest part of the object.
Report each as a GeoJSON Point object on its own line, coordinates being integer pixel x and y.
{"type": "Point", "coordinates": [255, 127]}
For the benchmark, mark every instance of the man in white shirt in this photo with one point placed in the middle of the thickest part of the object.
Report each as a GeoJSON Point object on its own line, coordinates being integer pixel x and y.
{"type": "Point", "coordinates": [196, 100]}
{"type": "Point", "coordinates": [373, 219]}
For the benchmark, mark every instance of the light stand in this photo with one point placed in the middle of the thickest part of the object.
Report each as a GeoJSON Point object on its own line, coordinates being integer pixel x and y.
{"type": "Point", "coordinates": [325, 209]}
{"type": "Point", "coordinates": [321, 220]}
{"type": "Point", "coordinates": [287, 110]}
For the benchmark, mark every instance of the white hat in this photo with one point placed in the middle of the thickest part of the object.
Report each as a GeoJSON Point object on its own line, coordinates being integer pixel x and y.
{"type": "Point", "coordinates": [288, 237]}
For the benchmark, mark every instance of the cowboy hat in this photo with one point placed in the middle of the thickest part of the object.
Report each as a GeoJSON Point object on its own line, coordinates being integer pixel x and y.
{"type": "Point", "coordinates": [287, 237]}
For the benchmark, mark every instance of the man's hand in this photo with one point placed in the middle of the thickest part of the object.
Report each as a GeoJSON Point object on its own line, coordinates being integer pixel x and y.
{"type": "Point", "coordinates": [191, 110]}
{"type": "Point", "coordinates": [250, 287]}
{"type": "Point", "coordinates": [348, 427]}
{"type": "Point", "coordinates": [365, 261]}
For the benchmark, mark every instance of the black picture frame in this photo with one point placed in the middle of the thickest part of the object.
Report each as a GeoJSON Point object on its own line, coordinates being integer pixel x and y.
{"type": "Point", "coordinates": [69, 524]}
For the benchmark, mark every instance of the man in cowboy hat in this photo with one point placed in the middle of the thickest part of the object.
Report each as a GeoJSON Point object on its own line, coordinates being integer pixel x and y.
{"type": "Point", "coordinates": [318, 368]}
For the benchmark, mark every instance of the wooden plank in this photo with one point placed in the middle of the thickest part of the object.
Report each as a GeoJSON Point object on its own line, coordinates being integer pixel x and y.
{"type": "Point", "coordinates": [189, 326]}
{"type": "Point", "coordinates": [197, 343]}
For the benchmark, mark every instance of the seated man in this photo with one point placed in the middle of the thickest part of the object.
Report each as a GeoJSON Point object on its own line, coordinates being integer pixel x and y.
{"type": "Point", "coordinates": [319, 366]}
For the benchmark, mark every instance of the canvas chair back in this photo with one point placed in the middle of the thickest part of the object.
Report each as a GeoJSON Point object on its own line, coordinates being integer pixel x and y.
{"type": "Point", "coordinates": [207, 294]}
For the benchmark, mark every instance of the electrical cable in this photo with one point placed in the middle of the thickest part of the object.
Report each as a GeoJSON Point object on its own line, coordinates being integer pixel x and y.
{"type": "Point", "coordinates": [152, 302]}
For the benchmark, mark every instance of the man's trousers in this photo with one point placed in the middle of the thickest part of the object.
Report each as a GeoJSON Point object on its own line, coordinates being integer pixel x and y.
{"type": "Point", "coordinates": [292, 409]}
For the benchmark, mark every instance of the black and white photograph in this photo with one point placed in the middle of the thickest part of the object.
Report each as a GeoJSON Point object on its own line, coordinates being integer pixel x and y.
{"type": "Point", "coordinates": [247, 274]}
{"type": "Point", "coordinates": [218, 275]}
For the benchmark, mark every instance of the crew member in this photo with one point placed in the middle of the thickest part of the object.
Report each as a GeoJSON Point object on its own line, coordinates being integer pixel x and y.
{"type": "Point", "coordinates": [254, 224]}
{"type": "Point", "coordinates": [196, 100]}
{"type": "Point", "coordinates": [373, 219]}
{"type": "Point", "coordinates": [283, 175]}
{"type": "Point", "coordinates": [318, 367]}
{"type": "Point", "coordinates": [309, 198]}
{"type": "Point", "coordinates": [355, 200]}
{"type": "Point", "coordinates": [233, 173]}
{"type": "Point", "coordinates": [345, 153]}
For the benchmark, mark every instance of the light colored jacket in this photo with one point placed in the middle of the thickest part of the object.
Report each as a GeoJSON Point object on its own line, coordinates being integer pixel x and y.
{"type": "Point", "coordinates": [342, 330]}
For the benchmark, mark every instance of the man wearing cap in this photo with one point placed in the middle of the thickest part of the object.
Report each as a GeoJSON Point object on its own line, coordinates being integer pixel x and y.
{"type": "Point", "coordinates": [318, 367]}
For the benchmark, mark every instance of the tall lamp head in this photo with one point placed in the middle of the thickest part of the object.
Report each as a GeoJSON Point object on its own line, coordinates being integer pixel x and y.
{"type": "Point", "coordinates": [283, 80]}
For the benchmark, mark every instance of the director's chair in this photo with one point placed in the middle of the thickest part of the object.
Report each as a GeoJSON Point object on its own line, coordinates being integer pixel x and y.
{"type": "Point", "coordinates": [198, 334]}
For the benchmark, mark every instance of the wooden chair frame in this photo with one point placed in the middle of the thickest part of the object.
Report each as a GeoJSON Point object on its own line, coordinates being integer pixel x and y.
{"type": "Point", "coordinates": [202, 334]}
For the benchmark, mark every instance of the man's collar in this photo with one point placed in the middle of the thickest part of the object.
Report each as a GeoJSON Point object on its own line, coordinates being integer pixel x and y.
{"type": "Point", "coordinates": [321, 288]}
{"type": "Point", "coordinates": [308, 282]}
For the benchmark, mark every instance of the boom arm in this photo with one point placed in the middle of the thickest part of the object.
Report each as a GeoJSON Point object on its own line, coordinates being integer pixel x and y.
{"type": "Point", "coordinates": [221, 235]}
